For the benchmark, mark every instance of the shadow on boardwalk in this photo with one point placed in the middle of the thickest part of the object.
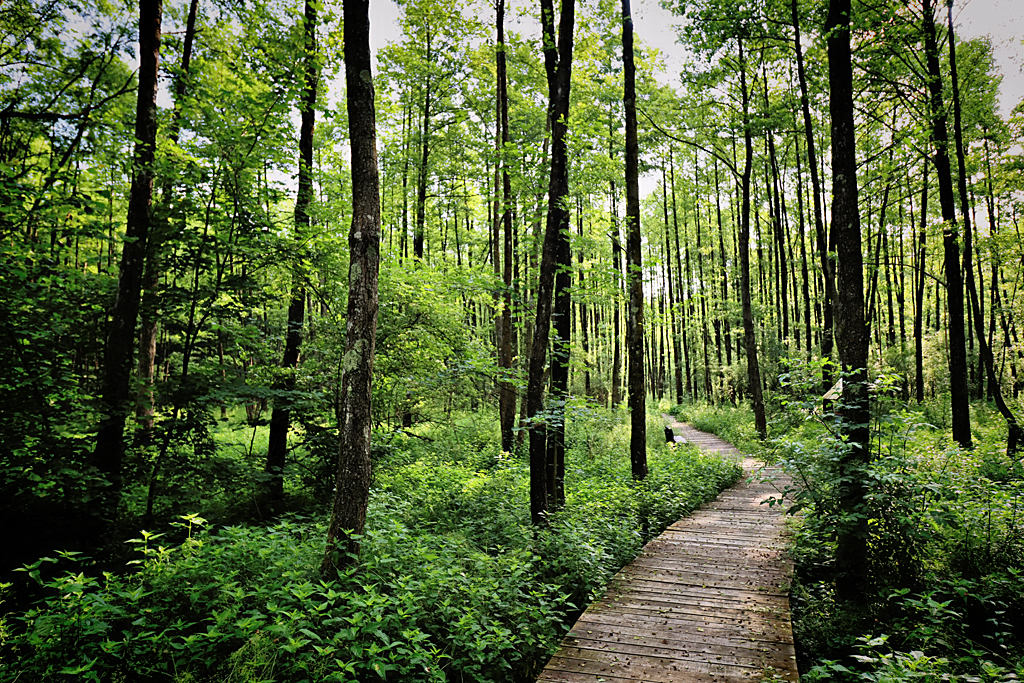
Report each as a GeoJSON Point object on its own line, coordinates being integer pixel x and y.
{"type": "Point", "coordinates": [705, 601]}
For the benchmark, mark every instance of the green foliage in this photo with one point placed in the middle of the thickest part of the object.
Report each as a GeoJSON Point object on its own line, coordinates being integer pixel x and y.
{"type": "Point", "coordinates": [453, 583]}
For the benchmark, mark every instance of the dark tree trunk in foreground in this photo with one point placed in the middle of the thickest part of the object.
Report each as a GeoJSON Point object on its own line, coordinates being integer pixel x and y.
{"type": "Point", "coordinates": [634, 273]}
{"type": "Point", "coordinates": [750, 339]}
{"type": "Point", "coordinates": [958, 390]}
{"type": "Point", "coordinates": [352, 492]}
{"type": "Point", "coordinates": [503, 219]}
{"type": "Point", "coordinates": [561, 321]}
{"type": "Point", "coordinates": [558, 64]}
{"type": "Point", "coordinates": [280, 418]}
{"type": "Point", "coordinates": [852, 335]}
{"type": "Point", "coordinates": [117, 361]}
{"type": "Point", "coordinates": [1013, 428]}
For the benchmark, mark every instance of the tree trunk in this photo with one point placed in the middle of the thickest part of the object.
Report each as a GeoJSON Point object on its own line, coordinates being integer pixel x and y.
{"type": "Point", "coordinates": [144, 407]}
{"type": "Point", "coordinates": [1014, 433]}
{"type": "Point", "coordinates": [634, 273]}
{"type": "Point", "coordinates": [352, 489]}
{"type": "Point", "coordinates": [558, 65]}
{"type": "Point", "coordinates": [852, 334]}
{"type": "Point", "coordinates": [117, 361]}
{"type": "Point", "coordinates": [919, 291]}
{"type": "Point", "coordinates": [419, 230]}
{"type": "Point", "coordinates": [280, 418]}
{"type": "Point", "coordinates": [823, 242]}
{"type": "Point", "coordinates": [684, 363]}
{"type": "Point", "coordinates": [506, 391]}
{"type": "Point", "coordinates": [958, 390]}
{"type": "Point", "coordinates": [753, 369]}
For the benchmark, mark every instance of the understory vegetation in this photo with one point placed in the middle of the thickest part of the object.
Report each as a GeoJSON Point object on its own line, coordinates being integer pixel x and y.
{"type": "Point", "coordinates": [452, 584]}
{"type": "Point", "coordinates": [946, 548]}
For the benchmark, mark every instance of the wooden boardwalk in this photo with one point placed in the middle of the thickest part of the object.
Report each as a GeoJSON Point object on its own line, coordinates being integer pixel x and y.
{"type": "Point", "coordinates": [706, 601]}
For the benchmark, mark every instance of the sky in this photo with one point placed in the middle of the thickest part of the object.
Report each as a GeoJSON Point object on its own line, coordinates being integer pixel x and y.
{"type": "Point", "coordinates": [1002, 20]}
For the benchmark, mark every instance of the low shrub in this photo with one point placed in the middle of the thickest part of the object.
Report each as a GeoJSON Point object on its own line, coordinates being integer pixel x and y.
{"type": "Point", "coordinates": [453, 583]}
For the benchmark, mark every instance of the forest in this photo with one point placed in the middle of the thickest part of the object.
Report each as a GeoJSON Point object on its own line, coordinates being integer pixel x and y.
{"type": "Point", "coordinates": [331, 364]}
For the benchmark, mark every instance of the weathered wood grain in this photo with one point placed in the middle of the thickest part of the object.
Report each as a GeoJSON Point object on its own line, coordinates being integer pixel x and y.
{"type": "Point", "coordinates": [707, 601]}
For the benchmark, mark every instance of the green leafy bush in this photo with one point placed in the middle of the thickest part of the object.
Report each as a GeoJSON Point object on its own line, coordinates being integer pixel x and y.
{"type": "Point", "coordinates": [453, 583]}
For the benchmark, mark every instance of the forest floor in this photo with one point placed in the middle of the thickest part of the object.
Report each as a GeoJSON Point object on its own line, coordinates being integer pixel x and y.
{"type": "Point", "coordinates": [707, 600]}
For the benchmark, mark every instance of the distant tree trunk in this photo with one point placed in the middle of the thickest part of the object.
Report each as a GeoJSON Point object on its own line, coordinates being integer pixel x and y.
{"type": "Point", "coordinates": [280, 418]}
{"type": "Point", "coordinates": [753, 368]}
{"type": "Point", "coordinates": [145, 408]}
{"type": "Point", "coordinates": [805, 275]}
{"type": "Point", "coordinates": [584, 313]}
{"type": "Point", "coordinates": [506, 391]}
{"type": "Point", "coordinates": [1014, 433]}
{"type": "Point", "coordinates": [672, 295]}
{"type": "Point", "coordinates": [726, 329]}
{"type": "Point", "coordinates": [958, 389]}
{"type": "Point", "coordinates": [683, 366]}
{"type": "Point", "coordinates": [117, 361]}
{"type": "Point", "coordinates": [852, 335]}
{"type": "Point", "coordinates": [616, 398]}
{"type": "Point", "coordinates": [558, 65]}
{"type": "Point", "coordinates": [705, 335]}
{"type": "Point", "coordinates": [352, 488]}
{"type": "Point", "coordinates": [919, 290]}
{"type": "Point", "coordinates": [419, 230]}
{"type": "Point", "coordinates": [634, 272]}
{"type": "Point", "coordinates": [823, 242]}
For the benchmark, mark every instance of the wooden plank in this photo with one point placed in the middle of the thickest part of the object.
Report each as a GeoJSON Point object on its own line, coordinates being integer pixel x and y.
{"type": "Point", "coordinates": [705, 602]}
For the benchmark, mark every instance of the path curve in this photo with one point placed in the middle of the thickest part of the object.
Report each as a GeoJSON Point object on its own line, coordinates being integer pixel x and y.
{"type": "Point", "coordinates": [707, 601]}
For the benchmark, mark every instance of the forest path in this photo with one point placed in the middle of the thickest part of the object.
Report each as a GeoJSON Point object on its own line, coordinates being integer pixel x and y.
{"type": "Point", "coordinates": [706, 601]}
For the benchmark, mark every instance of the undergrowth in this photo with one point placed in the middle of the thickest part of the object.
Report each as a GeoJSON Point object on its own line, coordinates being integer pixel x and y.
{"type": "Point", "coordinates": [452, 584]}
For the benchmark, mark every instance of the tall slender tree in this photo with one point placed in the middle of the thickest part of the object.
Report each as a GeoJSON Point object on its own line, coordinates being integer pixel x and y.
{"type": "Point", "coordinates": [503, 219]}
{"type": "Point", "coordinates": [1014, 432]}
{"type": "Point", "coordinates": [958, 389]}
{"type": "Point", "coordinates": [352, 487]}
{"type": "Point", "coordinates": [558, 66]}
{"type": "Point", "coordinates": [280, 418]}
{"type": "Point", "coordinates": [117, 362]}
{"type": "Point", "coordinates": [852, 335]}
{"type": "Point", "coordinates": [637, 396]}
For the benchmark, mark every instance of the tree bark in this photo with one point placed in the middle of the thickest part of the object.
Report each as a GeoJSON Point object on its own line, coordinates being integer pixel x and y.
{"type": "Point", "coordinates": [558, 65]}
{"type": "Point", "coordinates": [280, 418]}
{"type": "Point", "coordinates": [634, 274]}
{"type": "Point", "coordinates": [117, 360]}
{"type": "Point", "coordinates": [1014, 433]}
{"type": "Point", "coordinates": [958, 389]}
{"type": "Point", "coordinates": [145, 402]}
{"type": "Point", "coordinates": [852, 334]}
{"type": "Point", "coordinates": [753, 368]}
{"type": "Point", "coordinates": [827, 265]}
{"type": "Point", "coordinates": [506, 391]}
{"type": "Point", "coordinates": [919, 290]}
{"type": "Point", "coordinates": [352, 489]}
